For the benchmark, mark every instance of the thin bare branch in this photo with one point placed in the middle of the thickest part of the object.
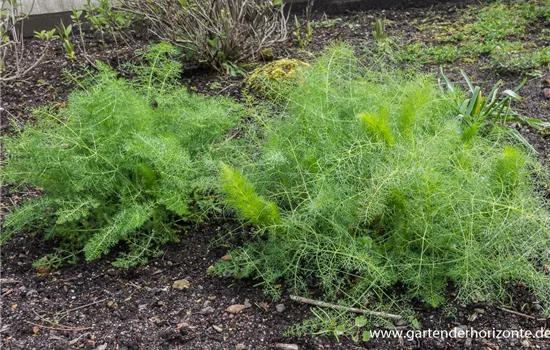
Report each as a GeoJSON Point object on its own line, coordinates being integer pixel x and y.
{"type": "Point", "coordinates": [215, 31]}
{"type": "Point", "coordinates": [344, 308]}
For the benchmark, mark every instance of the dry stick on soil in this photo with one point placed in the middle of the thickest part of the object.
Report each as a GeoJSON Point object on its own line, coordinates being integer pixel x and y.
{"type": "Point", "coordinates": [344, 308]}
{"type": "Point", "coordinates": [520, 314]}
{"type": "Point", "coordinates": [61, 327]}
{"type": "Point", "coordinates": [44, 319]}
{"type": "Point", "coordinates": [7, 280]}
{"type": "Point", "coordinates": [84, 306]}
{"type": "Point", "coordinates": [66, 313]}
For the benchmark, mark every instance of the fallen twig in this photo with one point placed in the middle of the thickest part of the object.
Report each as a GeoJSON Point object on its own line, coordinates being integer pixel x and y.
{"type": "Point", "coordinates": [8, 280]}
{"type": "Point", "coordinates": [521, 314]}
{"type": "Point", "coordinates": [345, 308]}
{"type": "Point", "coordinates": [42, 317]}
{"type": "Point", "coordinates": [61, 327]}
{"type": "Point", "coordinates": [84, 306]}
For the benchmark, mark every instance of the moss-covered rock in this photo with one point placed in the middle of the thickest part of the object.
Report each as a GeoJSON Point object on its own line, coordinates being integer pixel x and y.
{"type": "Point", "coordinates": [262, 78]}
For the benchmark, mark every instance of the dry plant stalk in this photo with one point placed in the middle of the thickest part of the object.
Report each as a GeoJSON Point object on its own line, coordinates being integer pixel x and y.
{"type": "Point", "coordinates": [344, 308]}
{"type": "Point", "coordinates": [215, 32]}
{"type": "Point", "coordinates": [12, 47]}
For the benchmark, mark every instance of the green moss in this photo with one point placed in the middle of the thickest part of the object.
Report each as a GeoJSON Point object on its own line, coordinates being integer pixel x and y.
{"type": "Point", "coordinates": [261, 78]}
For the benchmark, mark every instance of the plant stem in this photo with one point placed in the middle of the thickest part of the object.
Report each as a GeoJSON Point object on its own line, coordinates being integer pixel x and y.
{"type": "Point", "coordinates": [344, 308]}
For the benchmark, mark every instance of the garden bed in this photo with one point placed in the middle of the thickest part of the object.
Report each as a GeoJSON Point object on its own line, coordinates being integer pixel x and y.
{"type": "Point", "coordinates": [137, 308]}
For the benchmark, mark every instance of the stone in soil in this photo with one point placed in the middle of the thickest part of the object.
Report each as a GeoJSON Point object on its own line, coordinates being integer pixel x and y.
{"type": "Point", "coordinates": [181, 284]}
{"type": "Point", "coordinates": [235, 309]}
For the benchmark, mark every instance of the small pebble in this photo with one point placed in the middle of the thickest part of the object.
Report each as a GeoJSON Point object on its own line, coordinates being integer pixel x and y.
{"type": "Point", "coordinates": [286, 346]}
{"type": "Point", "coordinates": [207, 310]}
{"type": "Point", "coordinates": [181, 284]}
{"type": "Point", "coordinates": [235, 309]}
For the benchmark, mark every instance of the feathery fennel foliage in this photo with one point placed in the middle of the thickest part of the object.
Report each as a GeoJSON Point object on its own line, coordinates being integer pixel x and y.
{"type": "Point", "coordinates": [116, 167]}
{"type": "Point", "coordinates": [374, 185]}
{"type": "Point", "coordinates": [158, 70]}
{"type": "Point", "coordinates": [243, 196]}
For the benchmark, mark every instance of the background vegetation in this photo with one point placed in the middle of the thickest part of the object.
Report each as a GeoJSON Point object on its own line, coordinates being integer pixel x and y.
{"type": "Point", "coordinates": [502, 30]}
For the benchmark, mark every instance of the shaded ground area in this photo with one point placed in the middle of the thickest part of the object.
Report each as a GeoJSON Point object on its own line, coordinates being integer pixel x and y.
{"type": "Point", "coordinates": [96, 306]}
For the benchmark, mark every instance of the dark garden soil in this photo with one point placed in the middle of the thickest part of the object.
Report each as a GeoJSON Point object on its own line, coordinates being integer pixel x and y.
{"type": "Point", "coordinates": [96, 306]}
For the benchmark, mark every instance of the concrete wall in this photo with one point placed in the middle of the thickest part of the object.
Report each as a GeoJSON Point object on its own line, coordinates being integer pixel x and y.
{"type": "Point", "coordinates": [47, 14]}
{"type": "Point", "coordinates": [39, 7]}
{"type": "Point", "coordinates": [56, 6]}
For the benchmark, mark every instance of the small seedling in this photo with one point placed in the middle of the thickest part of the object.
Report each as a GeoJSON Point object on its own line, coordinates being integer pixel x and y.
{"type": "Point", "coordinates": [379, 33]}
{"type": "Point", "coordinates": [303, 39]}
{"type": "Point", "coordinates": [46, 35]}
{"type": "Point", "coordinates": [64, 33]}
